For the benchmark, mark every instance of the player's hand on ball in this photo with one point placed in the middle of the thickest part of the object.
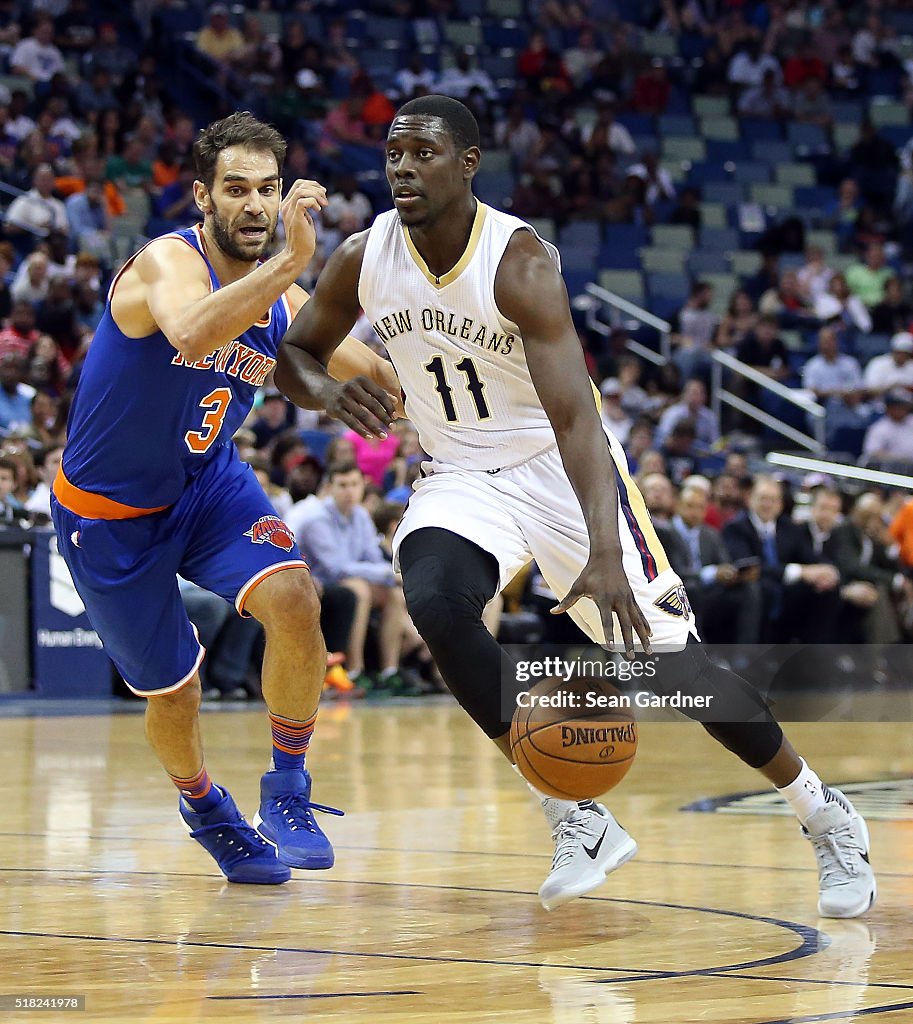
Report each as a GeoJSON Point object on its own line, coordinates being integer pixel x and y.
{"type": "Point", "coordinates": [300, 234]}
{"type": "Point", "coordinates": [609, 589]}
{"type": "Point", "coordinates": [362, 405]}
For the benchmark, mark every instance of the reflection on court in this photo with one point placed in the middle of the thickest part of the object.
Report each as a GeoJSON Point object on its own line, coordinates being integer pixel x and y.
{"type": "Point", "coordinates": [430, 912]}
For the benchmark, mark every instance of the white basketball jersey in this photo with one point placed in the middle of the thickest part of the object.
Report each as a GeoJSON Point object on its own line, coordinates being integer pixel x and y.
{"type": "Point", "coordinates": [461, 363]}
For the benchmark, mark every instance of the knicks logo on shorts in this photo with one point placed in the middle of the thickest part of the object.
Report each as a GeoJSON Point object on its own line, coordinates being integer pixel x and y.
{"type": "Point", "coordinates": [271, 529]}
{"type": "Point", "coordinates": [675, 602]}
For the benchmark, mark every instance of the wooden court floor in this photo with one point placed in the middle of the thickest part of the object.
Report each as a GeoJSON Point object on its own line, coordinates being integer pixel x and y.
{"type": "Point", "coordinates": [430, 913]}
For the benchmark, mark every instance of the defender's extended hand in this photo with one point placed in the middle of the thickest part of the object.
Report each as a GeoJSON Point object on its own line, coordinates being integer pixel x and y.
{"type": "Point", "coordinates": [300, 234]}
{"type": "Point", "coordinates": [362, 405]}
{"type": "Point", "coordinates": [608, 588]}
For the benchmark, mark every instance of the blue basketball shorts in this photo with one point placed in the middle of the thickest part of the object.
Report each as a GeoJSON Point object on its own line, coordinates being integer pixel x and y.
{"type": "Point", "coordinates": [222, 534]}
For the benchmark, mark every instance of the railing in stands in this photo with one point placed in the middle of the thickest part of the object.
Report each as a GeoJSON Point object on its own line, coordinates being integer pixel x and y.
{"type": "Point", "coordinates": [720, 395]}
{"type": "Point", "coordinates": [839, 469]}
{"type": "Point", "coordinates": [618, 305]}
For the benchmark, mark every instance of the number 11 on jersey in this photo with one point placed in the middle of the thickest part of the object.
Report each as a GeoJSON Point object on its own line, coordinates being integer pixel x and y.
{"type": "Point", "coordinates": [474, 386]}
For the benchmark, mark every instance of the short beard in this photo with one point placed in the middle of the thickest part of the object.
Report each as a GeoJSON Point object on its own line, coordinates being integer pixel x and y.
{"type": "Point", "coordinates": [227, 244]}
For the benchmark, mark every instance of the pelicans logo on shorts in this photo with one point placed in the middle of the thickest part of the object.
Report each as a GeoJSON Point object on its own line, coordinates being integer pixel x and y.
{"type": "Point", "coordinates": [675, 602]}
{"type": "Point", "coordinates": [271, 529]}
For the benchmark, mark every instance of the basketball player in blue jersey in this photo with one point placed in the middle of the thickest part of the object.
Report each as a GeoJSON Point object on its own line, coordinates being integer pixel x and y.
{"type": "Point", "coordinates": [151, 486]}
{"type": "Point", "coordinates": [474, 313]}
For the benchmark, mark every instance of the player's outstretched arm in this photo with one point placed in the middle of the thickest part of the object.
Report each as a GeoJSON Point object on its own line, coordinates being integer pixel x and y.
{"type": "Point", "coordinates": [177, 294]}
{"type": "Point", "coordinates": [530, 291]}
{"type": "Point", "coordinates": [302, 370]}
{"type": "Point", "coordinates": [353, 358]}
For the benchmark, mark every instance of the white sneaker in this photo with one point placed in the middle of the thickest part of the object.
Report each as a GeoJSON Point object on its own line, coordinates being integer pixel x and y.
{"type": "Point", "coordinates": [846, 882]}
{"type": "Point", "coordinates": [589, 844]}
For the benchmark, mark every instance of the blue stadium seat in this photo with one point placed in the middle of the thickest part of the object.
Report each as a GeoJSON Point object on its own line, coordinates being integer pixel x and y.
{"type": "Point", "coordinates": [807, 136]}
{"type": "Point", "coordinates": [637, 124]}
{"type": "Point", "coordinates": [883, 82]}
{"type": "Point", "coordinates": [707, 261]}
{"type": "Point", "coordinates": [772, 151]}
{"type": "Point", "coordinates": [625, 236]}
{"type": "Point", "coordinates": [814, 197]}
{"type": "Point", "coordinates": [584, 234]}
{"type": "Point", "coordinates": [498, 66]}
{"type": "Point", "coordinates": [676, 124]}
{"type": "Point", "coordinates": [669, 285]}
{"type": "Point", "coordinates": [897, 134]}
{"type": "Point", "coordinates": [729, 192]}
{"type": "Point", "coordinates": [754, 130]}
{"type": "Point", "coordinates": [719, 239]}
{"type": "Point", "coordinates": [576, 280]}
{"type": "Point", "coordinates": [618, 257]}
{"type": "Point", "coordinates": [869, 345]}
{"type": "Point", "coordinates": [579, 257]}
{"type": "Point", "coordinates": [706, 172]}
{"type": "Point", "coordinates": [494, 187]}
{"type": "Point", "coordinates": [504, 36]}
{"type": "Point", "coordinates": [719, 151]}
{"type": "Point", "coordinates": [847, 438]}
{"type": "Point", "coordinates": [752, 173]}
{"type": "Point", "coordinates": [692, 46]}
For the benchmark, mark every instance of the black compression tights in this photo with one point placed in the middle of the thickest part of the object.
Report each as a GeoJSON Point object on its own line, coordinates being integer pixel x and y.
{"type": "Point", "coordinates": [448, 580]}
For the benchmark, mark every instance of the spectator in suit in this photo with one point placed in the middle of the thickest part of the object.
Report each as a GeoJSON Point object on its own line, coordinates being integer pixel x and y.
{"type": "Point", "coordinates": [877, 587]}
{"type": "Point", "coordinates": [660, 498]}
{"type": "Point", "coordinates": [726, 600]}
{"type": "Point", "coordinates": [800, 595]}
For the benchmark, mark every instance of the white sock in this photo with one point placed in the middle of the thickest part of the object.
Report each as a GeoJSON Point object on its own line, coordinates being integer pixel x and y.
{"type": "Point", "coordinates": [807, 794]}
{"type": "Point", "coordinates": [555, 809]}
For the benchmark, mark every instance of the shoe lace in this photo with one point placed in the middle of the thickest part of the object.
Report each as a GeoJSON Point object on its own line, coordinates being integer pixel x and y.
{"type": "Point", "coordinates": [236, 840]}
{"type": "Point", "coordinates": [297, 810]}
{"type": "Point", "coordinates": [566, 835]}
{"type": "Point", "coordinates": [837, 853]}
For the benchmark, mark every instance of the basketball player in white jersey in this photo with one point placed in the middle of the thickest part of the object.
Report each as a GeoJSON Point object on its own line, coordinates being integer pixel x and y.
{"type": "Point", "coordinates": [472, 308]}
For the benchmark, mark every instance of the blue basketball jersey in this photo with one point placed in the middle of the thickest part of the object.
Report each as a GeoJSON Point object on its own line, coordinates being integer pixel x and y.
{"type": "Point", "coordinates": [145, 421]}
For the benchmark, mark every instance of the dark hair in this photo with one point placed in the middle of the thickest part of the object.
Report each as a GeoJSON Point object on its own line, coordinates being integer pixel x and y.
{"type": "Point", "coordinates": [7, 463]}
{"type": "Point", "coordinates": [458, 119]}
{"type": "Point", "coordinates": [238, 129]}
{"type": "Point", "coordinates": [341, 468]}
{"type": "Point", "coordinates": [387, 513]}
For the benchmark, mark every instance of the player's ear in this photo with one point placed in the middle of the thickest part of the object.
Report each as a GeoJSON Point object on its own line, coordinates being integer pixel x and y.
{"type": "Point", "coordinates": [202, 197]}
{"type": "Point", "coordinates": [471, 159]}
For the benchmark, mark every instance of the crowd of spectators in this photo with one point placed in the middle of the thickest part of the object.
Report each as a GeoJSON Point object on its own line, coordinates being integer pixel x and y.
{"type": "Point", "coordinates": [94, 154]}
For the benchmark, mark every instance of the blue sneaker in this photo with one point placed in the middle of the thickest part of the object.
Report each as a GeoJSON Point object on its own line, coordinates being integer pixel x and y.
{"type": "Point", "coordinates": [237, 848]}
{"type": "Point", "coordinates": [286, 820]}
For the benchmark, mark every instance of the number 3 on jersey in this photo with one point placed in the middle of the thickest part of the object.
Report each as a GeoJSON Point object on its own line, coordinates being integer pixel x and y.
{"type": "Point", "coordinates": [474, 386]}
{"type": "Point", "coordinates": [216, 404]}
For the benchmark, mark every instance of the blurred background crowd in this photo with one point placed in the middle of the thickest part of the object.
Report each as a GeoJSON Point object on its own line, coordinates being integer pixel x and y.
{"type": "Point", "coordinates": [742, 170]}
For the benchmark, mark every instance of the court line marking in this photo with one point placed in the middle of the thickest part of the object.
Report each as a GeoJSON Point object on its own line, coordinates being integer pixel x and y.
{"type": "Point", "coordinates": [429, 850]}
{"type": "Point", "coordinates": [324, 995]}
{"type": "Point", "coordinates": [813, 941]}
{"type": "Point", "coordinates": [819, 981]}
{"type": "Point", "coordinates": [866, 1011]}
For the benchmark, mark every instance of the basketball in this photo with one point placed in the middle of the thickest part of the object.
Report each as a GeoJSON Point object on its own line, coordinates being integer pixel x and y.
{"type": "Point", "coordinates": [575, 740]}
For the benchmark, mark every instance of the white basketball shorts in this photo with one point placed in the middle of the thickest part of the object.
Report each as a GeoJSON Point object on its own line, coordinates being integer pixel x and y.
{"type": "Point", "coordinates": [531, 512]}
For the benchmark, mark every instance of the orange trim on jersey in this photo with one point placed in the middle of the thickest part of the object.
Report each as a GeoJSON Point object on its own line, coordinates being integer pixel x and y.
{"type": "Point", "coordinates": [95, 506]}
{"type": "Point", "coordinates": [255, 581]}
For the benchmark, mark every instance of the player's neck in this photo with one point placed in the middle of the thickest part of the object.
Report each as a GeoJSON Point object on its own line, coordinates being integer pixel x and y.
{"type": "Point", "coordinates": [442, 243]}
